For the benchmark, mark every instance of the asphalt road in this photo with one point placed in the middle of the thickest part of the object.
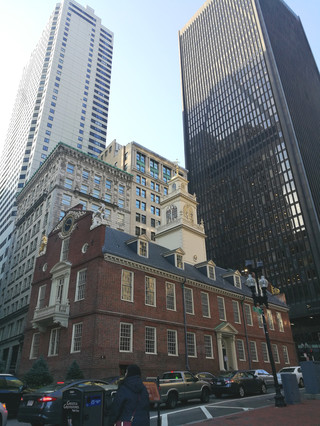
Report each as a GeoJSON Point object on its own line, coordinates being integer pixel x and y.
{"type": "Point", "coordinates": [194, 411]}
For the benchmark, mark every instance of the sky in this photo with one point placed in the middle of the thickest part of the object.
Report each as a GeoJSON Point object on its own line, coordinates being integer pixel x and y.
{"type": "Point", "coordinates": [145, 97]}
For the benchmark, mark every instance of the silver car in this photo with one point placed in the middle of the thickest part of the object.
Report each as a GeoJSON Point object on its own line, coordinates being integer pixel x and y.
{"type": "Point", "coordinates": [3, 414]}
{"type": "Point", "coordinates": [264, 375]}
{"type": "Point", "coordinates": [296, 370]}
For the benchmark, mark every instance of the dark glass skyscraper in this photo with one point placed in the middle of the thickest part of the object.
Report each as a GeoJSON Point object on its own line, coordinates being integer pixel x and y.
{"type": "Point", "coordinates": [251, 110]}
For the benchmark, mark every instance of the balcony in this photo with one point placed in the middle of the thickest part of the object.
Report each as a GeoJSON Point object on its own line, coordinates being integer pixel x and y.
{"type": "Point", "coordinates": [57, 314]}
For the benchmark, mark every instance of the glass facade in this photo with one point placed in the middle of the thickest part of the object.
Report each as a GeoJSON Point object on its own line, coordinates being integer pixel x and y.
{"type": "Point", "coordinates": [250, 143]}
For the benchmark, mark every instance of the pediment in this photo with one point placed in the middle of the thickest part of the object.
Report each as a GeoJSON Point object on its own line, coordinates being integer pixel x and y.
{"type": "Point", "coordinates": [226, 328]}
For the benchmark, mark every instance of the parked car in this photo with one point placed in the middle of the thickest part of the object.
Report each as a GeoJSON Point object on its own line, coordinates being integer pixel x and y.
{"type": "Point", "coordinates": [296, 370]}
{"type": "Point", "coordinates": [207, 377]}
{"type": "Point", "coordinates": [3, 415]}
{"type": "Point", "coordinates": [11, 391]}
{"type": "Point", "coordinates": [264, 375]}
{"type": "Point", "coordinates": [238, 382]}
{"type": "Point", "coordinates": [44, 406]}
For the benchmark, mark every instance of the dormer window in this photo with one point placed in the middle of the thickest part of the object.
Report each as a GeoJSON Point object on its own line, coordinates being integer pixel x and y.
{"type": "Point", "coordinates": [179, 261]}
{"type": "Point", "coordinates": [64, 249]}
{"type": "Point", "coordinates": [211, 272]}
{"type": "Point", "coordinates": [143, 248]}
{"type": "Point", "coordinates": [237, 281]}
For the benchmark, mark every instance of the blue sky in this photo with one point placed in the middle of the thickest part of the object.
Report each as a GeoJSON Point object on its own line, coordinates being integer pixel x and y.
{"type": "Point", "coordinates": [145, 102]}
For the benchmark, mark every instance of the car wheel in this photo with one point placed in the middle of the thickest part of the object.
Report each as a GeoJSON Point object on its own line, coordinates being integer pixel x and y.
{"type": "Point", "coordinates": [217, 395]}
{"type": "Point", "coordinates": [263, 388]}
{"type": "Point", "coordinates": [205, 395]}
{"type": "Point", "coordinates": [172, 400]}
{"type": "Point", "coordinates": [241, 391]}
{"type": "Point", "coordinates": [301, 383]}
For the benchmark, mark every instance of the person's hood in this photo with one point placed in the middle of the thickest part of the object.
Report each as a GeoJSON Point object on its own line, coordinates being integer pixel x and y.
{"type": "Point", "coordinates": [134, 383]}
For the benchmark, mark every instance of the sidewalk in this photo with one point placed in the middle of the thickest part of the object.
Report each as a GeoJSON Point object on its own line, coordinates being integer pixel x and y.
{"type": "Point", "coordinates": [305, 413]}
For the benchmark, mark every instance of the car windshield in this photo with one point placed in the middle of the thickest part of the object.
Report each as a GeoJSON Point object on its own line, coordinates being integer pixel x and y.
{"type": "Point", "coordinates": [287, 370]}
{"type": "Point", "coordinates": [228, 374]}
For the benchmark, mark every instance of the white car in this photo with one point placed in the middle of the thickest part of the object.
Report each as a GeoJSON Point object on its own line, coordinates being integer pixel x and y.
{"type": "Point", "coordinates": [264, 375]}
{"type": "Point", "coordinates": [292, 370]}
{"type": "Point", "coordinates": [3, 414]}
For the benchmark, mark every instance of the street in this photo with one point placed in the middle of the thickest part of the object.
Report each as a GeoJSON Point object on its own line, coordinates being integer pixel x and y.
{"type": "Point", "coordinates": [193, 411]}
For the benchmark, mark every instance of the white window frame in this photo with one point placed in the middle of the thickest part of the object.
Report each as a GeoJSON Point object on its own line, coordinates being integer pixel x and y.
{"type": "Point", "coordinates": [188, 300]}
{"type": "Point", "coordinates": [248, 314]}
{"type": "Point", "coordinates": [76, 341]}
{"type": "Point", "coordinates": [270, 319]}
{"type": "Point", "coordinates": [41, 296]}
{"type": "Point", "coordinates": [280, 322]}
{"type": "Point", "coordinates": [208, 346]}
{"type": "Point", "coordinates": [265, 352]}
{"type": "Point", "coordinates": [285, 354]}
{"type": "Point", "coordinates": [253, 351]}
{"type": "Point", "coordinates": [127, 283]}
{"type": "Point", "coordinates": [211, 272]}
{"type": "Point", "coordinates": [236, 312]}
{"type": "Point", "coordinates": [205, 305]}
{"type": "Point", "coordinates": [170, 296]}
{"type": "Point", "coordinates": [237, 281]}
{"type": "Point", "coordinates": [191, 345]}
{"type": "Point", "coordinates": [221, 308]}
{"type": "Point", "coordinates": [143, 248]}
{"type": "Point", "coordinates": [151, 340]}
{"type": "Point", "coordinates": [150, 293]}
{"type": "Point", "coordinates": [275, 353]}
{"type": "Point", "coordinates": [35, 345]}
{"type": "Point", "coordinates": [179, 261]}
{"type": "Point", "coordinates": [172, 342]}
{"type": "Point", "coordinates": [54, 342]}
{"type": "Point", "coordinates": [64, 249]}
{"type": "Point", "coordinates": [81, 285]}
{"type": "Point", "coordinates": [240, 350]}
{"type": "Point", "coordinates": [125, 337]}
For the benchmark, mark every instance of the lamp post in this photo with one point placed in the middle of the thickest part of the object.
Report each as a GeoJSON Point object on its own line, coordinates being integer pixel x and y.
{"type": "Point", "coordinates": [261, 299]}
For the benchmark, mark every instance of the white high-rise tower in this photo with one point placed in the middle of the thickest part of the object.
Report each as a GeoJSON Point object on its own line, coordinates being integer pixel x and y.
{"type": "Point", "coordinates": [63, 96]}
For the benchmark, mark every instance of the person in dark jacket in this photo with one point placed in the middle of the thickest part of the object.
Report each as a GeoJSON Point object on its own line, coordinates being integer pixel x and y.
{"type": "Point", "coordinates": [131, 400]}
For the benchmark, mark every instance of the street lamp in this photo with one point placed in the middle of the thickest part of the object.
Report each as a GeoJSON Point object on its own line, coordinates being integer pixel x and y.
{"type": "Point", "coordinates": [261, 299]}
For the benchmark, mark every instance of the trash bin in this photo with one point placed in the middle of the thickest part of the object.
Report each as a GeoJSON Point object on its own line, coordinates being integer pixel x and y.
{"type": "Point", "coordinates": [311, 376]}
{"type": "Point", "coordinates": [83, 406]}
{"type": "Point", "coordinates": [290, 388]}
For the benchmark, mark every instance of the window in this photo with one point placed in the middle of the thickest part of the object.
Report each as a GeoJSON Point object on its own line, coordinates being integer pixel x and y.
{"type": "Point", "coordinates": [279, 321]}
{"type": "Point", "coordinates": [81, 284]}
{"type": "Point", "coordinates": [265, 353]}
{"type": "Point", "coordinates": [41, 296]}
{"type": "Point", "coordinates": [34, 352]}
{"type": "Point", "coordinates": [211, 272]}
{"type": "Point", "coordinates": [67, 184]}
{"type": "Point", "coordinates": [150, 295]}
{"type": "Point", "coordinates": [172, 342]}
{"type": "Point", "coordinates": [237, 281]}
{"type": "Point", "coordinates": [85, 174]}
{"type": "Point", "coordinates": [96, 193]}
{"type": "Point", "coordinates": [208, 348]}
{"type": "Point", "coordinates": [285, 355]}
{"type": "Point", "coordinates": [54, 342]}
{"type": "Point", "coordinates": [127, 285]}
{"type": "Point", "coordinates": [275, 353]}
{"type": "Point", "coordinates": [253, 351]}
{"type": "Point", "coordinates": [191, 345]}
{"type": "Point", "coordinates": [248, 314]}
{"type": "Point", "coordinates": [76, 337]}
{"type": "Point", "coordinates": [66, 199]}
{"type": "Point", "coordinates": [125, 338]}
{"type": "Point", "coordinates": [270, 319]}
{"type": "Point", "coordinates": [97, 179]}
{"type": "Point", "coordinates": [151, 347]}
{"type": "Point", "coordinates": [205, 304]}
{"type": "Point", "coordinates": [84, 189]}
{"type": "Point", "coordinates": [121, 189]}
{"type": "Point", "coordinates": [64, 249]}
{"type": "Point", "coordinates": [221, 308]}
{"type": "Point", "coordinates": [70, 168]}
{"type": "Point", "coordinates": [108, 184]}
{"type": "Point", "coordinates": [240, 349]}
{"type": "Point", "coordinates": [260, 320]}
{"type": "Point", "coordinates": [236, 312]}
{"type": "Point", "coordinates": [143, 249]}
{"type": "Point", "coordinates": [121, 203]}
{"type": "Point", "coordinates": [170, 296]}
{"type": "Point", "coordinates": [188, 299]}
{"type": "Point", "coordinates": [179, 261]}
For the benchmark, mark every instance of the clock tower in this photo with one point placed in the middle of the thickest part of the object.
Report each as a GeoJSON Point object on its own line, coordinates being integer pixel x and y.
{"type": "Point", "coordinates": [179, 227]}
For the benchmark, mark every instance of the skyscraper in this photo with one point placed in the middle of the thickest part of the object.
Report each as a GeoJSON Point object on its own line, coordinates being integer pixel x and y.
{"type": "Point", "coordinates": [63, 96]}
{"type": "Point", "coordinates": [251, 110]}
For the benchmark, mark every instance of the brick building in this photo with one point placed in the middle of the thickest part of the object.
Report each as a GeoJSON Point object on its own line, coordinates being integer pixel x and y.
{"type": "Point", "coordinates": [106, 299]}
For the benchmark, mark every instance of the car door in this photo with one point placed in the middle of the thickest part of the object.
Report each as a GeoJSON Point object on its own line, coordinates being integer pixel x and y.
{"type": "Point", "coordinates": [191, 386]}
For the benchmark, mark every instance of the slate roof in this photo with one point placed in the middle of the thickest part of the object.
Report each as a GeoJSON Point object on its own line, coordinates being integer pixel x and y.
{"type": "Point", "coordinates": [116, 244]}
